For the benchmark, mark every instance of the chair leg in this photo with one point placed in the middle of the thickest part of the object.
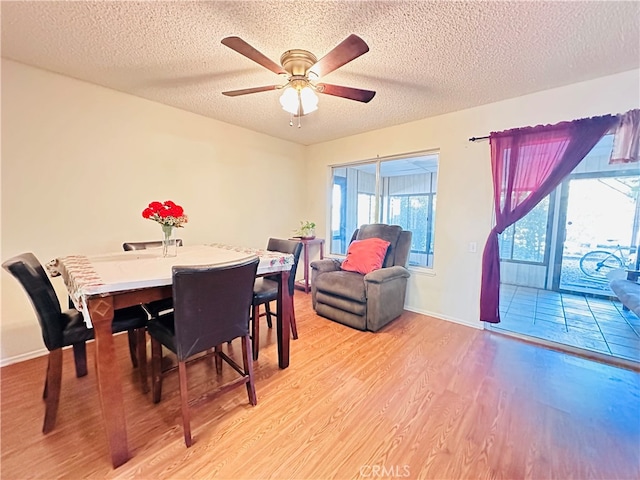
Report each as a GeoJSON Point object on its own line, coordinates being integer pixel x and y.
{"type": "Point", "coordinates": [267, 309]}
{"type": "Point", "coordinates": [184, 401]}
{"type": "Point", "coordinates": [248, 369]}
{"type": "Point", "coordinates": [292, 321]}
{"type": "Point", "coordinates": [80, 358]}
{"type": "Point", "coordinates": [141, 345]}
{"type": "Point", "coordinates": [52, 389]}
{"type": "Point", "coordinates": [156, 369]}
{"type": "Point", "coordinates": [217, 350]}
{"type": "Point", "coordinates": [132, 347]}
{"type": "Point", "coordinates": [255, 331]}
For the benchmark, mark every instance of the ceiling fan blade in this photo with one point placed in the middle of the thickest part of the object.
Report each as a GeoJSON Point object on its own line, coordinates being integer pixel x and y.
{"type": "Point", "coordinates": [245, 91]}
{"type": "Point", "coordinates": [350, 48]}
{"type": "Point", "coordinates": [243, 48]}
{"type": "Point", "coordinates": [351, 93]}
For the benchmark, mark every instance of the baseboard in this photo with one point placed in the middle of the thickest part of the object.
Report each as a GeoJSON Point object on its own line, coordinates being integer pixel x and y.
{"type": "Point", "coordinates": [477, 325]}
{"type": "Point", "coordinates": [23, 357]}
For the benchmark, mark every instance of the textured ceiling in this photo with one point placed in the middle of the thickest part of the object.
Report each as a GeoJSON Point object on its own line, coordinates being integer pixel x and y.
{"type": "Point", "coordinates": [426, 57]}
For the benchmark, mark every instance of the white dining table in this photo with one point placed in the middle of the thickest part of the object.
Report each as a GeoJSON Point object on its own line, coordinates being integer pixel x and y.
{"type": "Point", "coordinates": [100, 284]}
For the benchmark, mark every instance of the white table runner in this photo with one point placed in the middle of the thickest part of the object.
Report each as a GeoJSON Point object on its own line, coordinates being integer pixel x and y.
{"type": "Point", "coordinates": [116, 272]}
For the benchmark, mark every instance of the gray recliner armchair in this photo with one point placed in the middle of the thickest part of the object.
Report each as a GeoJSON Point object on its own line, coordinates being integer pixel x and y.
{"type": "Point", "coordinates": [365, 302]}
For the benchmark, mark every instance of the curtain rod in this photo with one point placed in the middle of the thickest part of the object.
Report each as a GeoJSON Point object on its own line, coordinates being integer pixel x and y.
{"type": "Point", "coordinates": [475, 139]}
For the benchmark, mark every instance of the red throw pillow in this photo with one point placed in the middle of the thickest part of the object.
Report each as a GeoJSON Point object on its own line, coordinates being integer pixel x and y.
{"type": "Point", "coordinates": [366, 255]}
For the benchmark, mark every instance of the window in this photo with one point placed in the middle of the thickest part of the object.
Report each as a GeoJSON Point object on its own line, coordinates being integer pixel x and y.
{"type": "Point", "coordinates": [366, 208]}
{"type": "Point", "coordinates": [400, 191]}
{"type": "Point", "coordinates": [338, 205]}
{"type": "Point", "coordinates": [412, 211]}
{"type": "Point", "coordinates": [526, 240]}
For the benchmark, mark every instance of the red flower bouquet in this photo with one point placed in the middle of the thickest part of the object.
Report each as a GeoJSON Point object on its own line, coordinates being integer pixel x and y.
{"type": "Point", "coordinates": [169, 215]}
{"type": "Point", "coordinates": [166, 214]}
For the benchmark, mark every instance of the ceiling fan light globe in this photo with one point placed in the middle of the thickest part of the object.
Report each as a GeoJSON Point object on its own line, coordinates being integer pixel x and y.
{"type": "Point", "coordinates": [309, 100]}
{"type": "Point", "coordinates": [308, 96]}
{"type": "Point", "coordinates": [309, 109]}
{"type": "Point", "coordinates": [289, 101]}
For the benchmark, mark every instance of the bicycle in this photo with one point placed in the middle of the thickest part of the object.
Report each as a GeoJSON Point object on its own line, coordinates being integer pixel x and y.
{"type": "Point", "coordinates": [598, 263]}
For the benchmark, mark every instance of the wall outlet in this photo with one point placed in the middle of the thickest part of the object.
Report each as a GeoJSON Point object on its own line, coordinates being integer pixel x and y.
{"type": "Point", "coordinates": [473, 247]}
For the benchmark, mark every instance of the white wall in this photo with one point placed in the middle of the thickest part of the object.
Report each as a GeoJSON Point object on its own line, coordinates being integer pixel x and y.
{"type": "Point", "coordinates": [80, 162]}
{"type": "Point", "coordinates": [464, 209]}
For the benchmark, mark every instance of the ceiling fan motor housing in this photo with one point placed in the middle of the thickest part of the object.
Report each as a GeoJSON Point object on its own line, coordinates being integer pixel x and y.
{"type": "Point", "coordinates": [297, 62]}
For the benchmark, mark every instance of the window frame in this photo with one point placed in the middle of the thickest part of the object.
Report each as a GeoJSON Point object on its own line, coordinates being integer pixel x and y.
{"type": "Point", "coordinates": [342, 230]}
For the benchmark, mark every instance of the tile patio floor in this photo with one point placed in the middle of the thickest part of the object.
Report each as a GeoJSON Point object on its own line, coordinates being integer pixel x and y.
{"type": "Point", "coordinates": [581, 321]}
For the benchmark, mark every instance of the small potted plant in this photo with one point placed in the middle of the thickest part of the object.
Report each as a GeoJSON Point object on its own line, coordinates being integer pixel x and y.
{"type": "Point", "coordinates": [307, 230]}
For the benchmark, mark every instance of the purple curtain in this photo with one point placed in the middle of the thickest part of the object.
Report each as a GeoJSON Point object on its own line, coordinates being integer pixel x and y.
{"type": "Point", "coordinates": [527, 164]}
{"type": "Point", "coordinates": [626, 140]}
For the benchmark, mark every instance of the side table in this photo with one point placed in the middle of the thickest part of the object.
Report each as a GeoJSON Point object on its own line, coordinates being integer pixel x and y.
{"type": "Point", "coordinates": [306, 242]}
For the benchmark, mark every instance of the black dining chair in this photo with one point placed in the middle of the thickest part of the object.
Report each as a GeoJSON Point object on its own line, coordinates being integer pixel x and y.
{"type": "Point", "coordinates": [67, 328]}
{"type": "Point", "coordinates": [211, 306]}
{"type": "Point", "coordinates": [265, 291]}
{"type": "Point", "coordinates": [129, 246]}
{"type": "Point", "coordinates": [154, 308]}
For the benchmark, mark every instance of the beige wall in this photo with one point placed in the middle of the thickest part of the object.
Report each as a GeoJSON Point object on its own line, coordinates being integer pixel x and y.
{"type": "Point", "coordinates": [59, 135]}
{"type": "Point", "coordinates": [80, 162]}
{"type": "Point", "coordinates": [464, 210]}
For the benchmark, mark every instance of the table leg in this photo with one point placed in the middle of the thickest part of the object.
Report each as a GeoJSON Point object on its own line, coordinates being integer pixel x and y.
{"type": "Point", "coordinates": [283, 320]}
{"type": "Point", "coordinates": [109, 379]}
{"type": "Point", "coordinates": [306, 267]}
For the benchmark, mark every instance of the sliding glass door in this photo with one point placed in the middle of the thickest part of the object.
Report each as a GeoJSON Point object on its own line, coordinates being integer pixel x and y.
{"type": "Point", "coordinates": [400, 191]}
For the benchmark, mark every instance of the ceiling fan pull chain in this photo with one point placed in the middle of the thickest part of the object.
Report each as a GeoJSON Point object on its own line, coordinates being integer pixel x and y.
{"type": "Point", "coordinates": [300, 109]}
{"type": "Point", "coordinates": [291, 119]}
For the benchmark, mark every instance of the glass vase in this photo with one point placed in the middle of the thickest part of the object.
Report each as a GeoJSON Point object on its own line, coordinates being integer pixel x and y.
{"type": "Point", "coordinates": [169, 244]}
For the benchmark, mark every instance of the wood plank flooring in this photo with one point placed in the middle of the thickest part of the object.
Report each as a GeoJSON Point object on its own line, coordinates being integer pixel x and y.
{"type": "Point", "coordinates": [423, 398]}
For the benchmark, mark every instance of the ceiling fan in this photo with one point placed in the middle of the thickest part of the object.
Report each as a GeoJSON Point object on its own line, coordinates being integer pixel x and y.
{"type": "Point", "coordinates": [302, 69]}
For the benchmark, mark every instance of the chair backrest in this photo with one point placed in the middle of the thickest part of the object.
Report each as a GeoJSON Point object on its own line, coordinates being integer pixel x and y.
{"type": "Point", "coordinates": [211, 304]}
{"type": "Point", "coordinates": [399, 239]}
{"type": "Point", "coordinates": [287, 246]}
{"type": "Point", "coordinates": [128, 246]}
{"type": "Point", "coordinates": [29, 272]}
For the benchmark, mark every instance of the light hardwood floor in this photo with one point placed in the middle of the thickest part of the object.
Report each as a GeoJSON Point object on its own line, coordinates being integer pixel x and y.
{"type": "Point", "coordinates": [423, 398]}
